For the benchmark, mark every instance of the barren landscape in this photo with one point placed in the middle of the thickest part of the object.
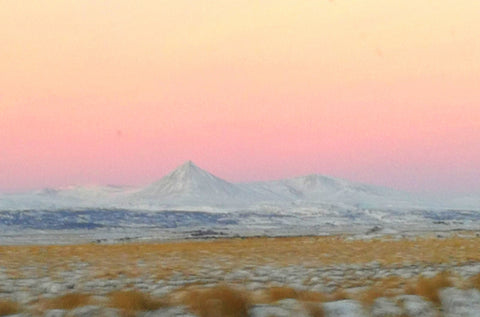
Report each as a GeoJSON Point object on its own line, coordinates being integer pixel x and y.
{"type": "Point", "coordinates": [342, 275]}
{"type": "Point", "coordinates": [192, 244]}
{"type": "Point", "coordinates": [337, 145]}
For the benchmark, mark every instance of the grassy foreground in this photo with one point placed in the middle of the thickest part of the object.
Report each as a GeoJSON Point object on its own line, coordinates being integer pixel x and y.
{"type": "Point", "coordinates": [161, 261]}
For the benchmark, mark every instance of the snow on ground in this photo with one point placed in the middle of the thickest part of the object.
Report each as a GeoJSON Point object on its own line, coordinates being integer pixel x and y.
{"type": "Point", "coordinates": [190, 203]}
{"type": "Point", "coordinates": [277, 281]}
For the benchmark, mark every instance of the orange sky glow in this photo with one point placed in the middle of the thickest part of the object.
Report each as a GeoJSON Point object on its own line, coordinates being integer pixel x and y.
{"type": "Point", "coordinates": [121, 92]}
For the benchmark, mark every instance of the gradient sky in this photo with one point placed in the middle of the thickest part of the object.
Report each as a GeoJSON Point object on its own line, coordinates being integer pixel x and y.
{"type": "Point", "coordinates": [121, 92]}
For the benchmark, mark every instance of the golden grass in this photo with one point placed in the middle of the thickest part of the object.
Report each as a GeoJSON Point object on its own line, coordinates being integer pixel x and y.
{"type": "Point", "coordinates": [475, 281]}
{"type": "Point", "coordinates": [310, 296]}
{"type": "Point", "coordinates": [110, 261]}
{"type": "Point", "coordinates": [391, 282]}
{"type": "Point", "coordinates": [220, 301]}
{"type": "Point", "coordinates": [224, 301]}
{"type": "Point", "coordinates": [314, 310]}
{"type": "Point", "coordinates": [8, 307]}
{"type": "Point", "coordinates": [275, 294]}
{"type": "Point", "coordinates": [339, 294]}
{"type": "Point", "coordinates": [162, 260]}
{"type": "Point", "coordinates": [386, 287]}
{"type": "Point", "coordinates": [133, 301]}
{"type": "Point", "coordinates": [429, 287]}
{"type": "Point", "coordinates": [68, 301]}
{"type": "Point", "coordinates": [371, 294]}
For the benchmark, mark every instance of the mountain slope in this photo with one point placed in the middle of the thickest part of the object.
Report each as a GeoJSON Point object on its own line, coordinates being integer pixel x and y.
{"type": "Point", "coordinates": [71, 197]}
{"type": "Point", "coordinates": [322, 189]}
{"type": "Point", "coordinates": [190, 188]}
{"type": "Point", "coordinates": [190, 185]}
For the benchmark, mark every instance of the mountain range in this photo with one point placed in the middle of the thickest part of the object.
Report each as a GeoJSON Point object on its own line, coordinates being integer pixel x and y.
{"type": "Point", "coordinates": [190, 188]}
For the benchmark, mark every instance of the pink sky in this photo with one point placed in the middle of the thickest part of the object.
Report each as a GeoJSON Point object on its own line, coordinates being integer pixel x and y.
{"type": "Point", "coordinates": [121, 92]}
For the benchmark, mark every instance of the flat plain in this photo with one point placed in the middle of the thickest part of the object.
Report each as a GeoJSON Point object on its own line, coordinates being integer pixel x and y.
{"type": "Point", "coordinates": [341, 275]}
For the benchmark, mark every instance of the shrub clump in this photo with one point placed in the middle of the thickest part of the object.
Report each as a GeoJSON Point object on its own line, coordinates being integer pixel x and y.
{"type": "Point", "coordinates": [133, 301]}
{"type": "Point", "coordinates": [278, 293]}
{"type": "Point", "coordinates": [475, 281]}
{"type": "Point", "coordinates": [430, 287]}
{"type": "Point", "coordinates": [220, 301]}
{"type": "Point", "coordinates": [8, 307]}
{"type": "Point", "coordinates": [314, 310]}
{"type": "Point", "coordinates": [68, 301]}
{"type": "Point", "coordinates": [369, 296]}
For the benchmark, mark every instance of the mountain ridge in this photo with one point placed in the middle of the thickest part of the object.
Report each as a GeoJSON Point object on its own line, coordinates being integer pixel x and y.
{"type": "Point", "coordinates": [189, 187]}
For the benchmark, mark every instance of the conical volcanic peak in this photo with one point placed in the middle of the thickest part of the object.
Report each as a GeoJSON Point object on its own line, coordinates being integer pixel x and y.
{"type": "Point", "coordinates": [188, 170]}
{"type": "Point", "coordinates": [189, 183]}
{"type": "Point", "coordinates": [192, 187]}
{"type": "Point", "coordinates": [187, 165]}
{"type": "Point", "coordinates": [189, 175]}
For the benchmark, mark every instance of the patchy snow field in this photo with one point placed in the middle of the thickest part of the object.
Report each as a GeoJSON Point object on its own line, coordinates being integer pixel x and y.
{"type": "Point", "coordinates": [339, 275]}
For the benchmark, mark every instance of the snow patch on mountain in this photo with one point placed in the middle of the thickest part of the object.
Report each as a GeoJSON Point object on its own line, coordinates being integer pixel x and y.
{"type": "Point", "coordinates": [191, 188]}
{"type": "Point", "coordinates": [190, 185]}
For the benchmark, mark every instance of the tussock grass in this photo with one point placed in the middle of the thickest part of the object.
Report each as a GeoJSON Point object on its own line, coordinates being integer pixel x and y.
{"type": "Point", "coordinates": [190, 258]}
{"type": "Point", "coordinates": [110, 261]}
{"type": "Point", "coordinates": [339, 294]}
{"type": "Point", "coordinates": [278, 293]}
{"type": "Point", "coordinates": [314, 310]}
{"type": "Point", "coordinates": [391, 282]}
{"type": "Point", "coordinates": [429, 287]}
{"type": "Point", "coordinates": [68, 301]}
{"type": "Point", "coordinates": [370, 295]}
{"type": "Point", "coordinates": [8, 307]}
{"type": "Point", "coordinates": [132, 301]}
{"type": "Point", "coordinates": [275, 294]}
{"type": "Point", "coordinates": [387, 287]}
{"type": "Point", "coordinates": [310, 296]}
{"type": "Point", "coordinates": [219, 301]}
{"type": "Point", "coordinates": [475, 281]}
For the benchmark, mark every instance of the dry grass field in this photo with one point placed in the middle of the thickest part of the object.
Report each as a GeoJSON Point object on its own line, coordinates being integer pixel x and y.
{"type": "Point", "coordinates": [8, 307]}
{"type": "Point", "coordinates": [164, 261]}
{"type": "Point", "coordinates": [159, 260]}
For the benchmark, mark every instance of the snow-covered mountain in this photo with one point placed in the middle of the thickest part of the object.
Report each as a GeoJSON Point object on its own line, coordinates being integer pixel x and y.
{"type": "Point", "coordinates": [471, 201]}
{"type": "Point", "coordinates": [315, 189]}
{"type": "Point", "coordinates": [190, 188]}
{"type": "Point", "coordinates": [71, 197]}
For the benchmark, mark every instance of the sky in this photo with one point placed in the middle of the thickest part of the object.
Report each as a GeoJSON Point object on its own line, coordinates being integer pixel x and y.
{"type": "Point", "coordinates": [122, 92]}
